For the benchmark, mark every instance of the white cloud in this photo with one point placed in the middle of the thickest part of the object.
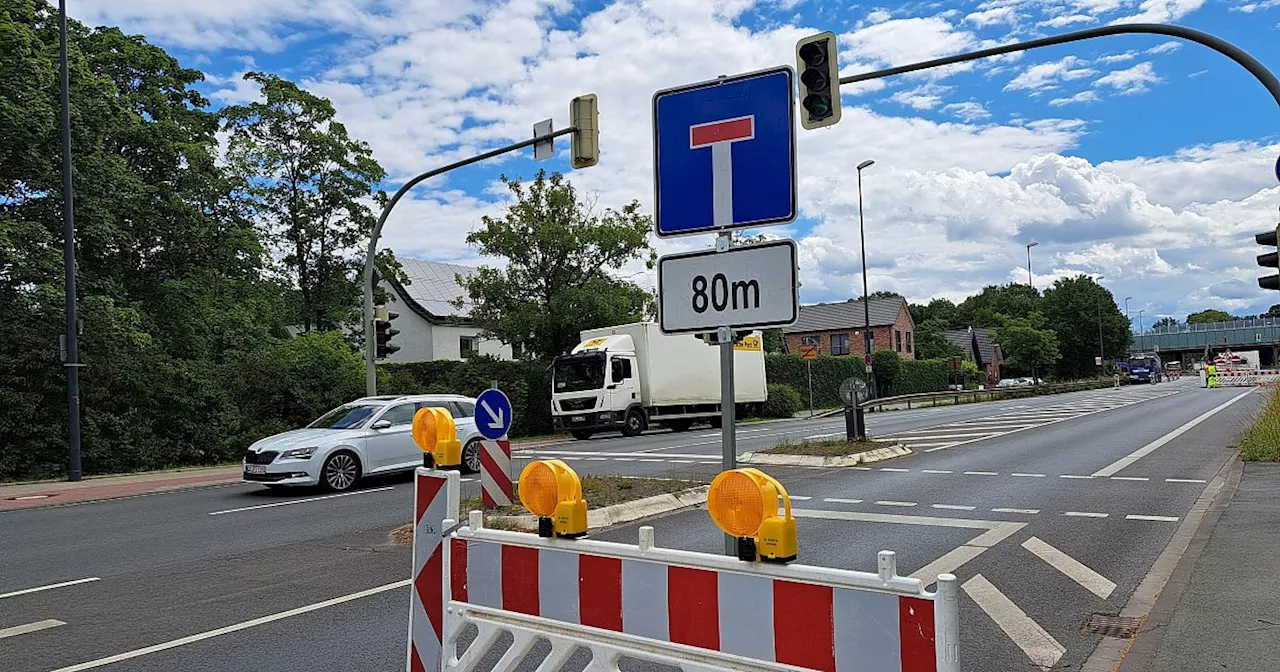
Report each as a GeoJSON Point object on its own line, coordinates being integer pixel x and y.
{"type": "Point", "coordinates": [967, 111]}
{"type": "Point", "coordinates": [899, 41]}
{"type": "Point", "coordinates": [1130, 80]}
{"type": "Point", "coordinates": [1165, 47]}
{"type": "Point", "coordinates": [923, 97]}
{"type": "Point", "coordinates": [1046, 76]}
{"type": "Point", "coordinates": [1085, 96]}
{"type": "Point", "coordinates": [1118, 58]}
{"type": "Point", "coordinates": [994, 16]}
{"type": "Point", "coordinates": [1251, 7]}
{"type": "Point", "coordinates": [1062, 21]}
{"type": "Point", "coordinates": [1162, 11]}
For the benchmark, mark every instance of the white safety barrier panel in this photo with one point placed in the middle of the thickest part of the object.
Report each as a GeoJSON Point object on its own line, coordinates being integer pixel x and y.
{"type": "Point", "coordinates": [1247, 378]}
{"type": "Point", "coordinates": [694, 611]}
{"type": "Point", "coordinates": [495, 473]}
{"type": "Point", "coordinates": [436, 498]}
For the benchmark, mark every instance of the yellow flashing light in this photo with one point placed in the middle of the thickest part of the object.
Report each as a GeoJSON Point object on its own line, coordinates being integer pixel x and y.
{"type": "Point", "coordinates": [435, 433]}
{"type": "Point", "coordinates": [745, 504]}
{"type": "Point", "coordinates": [552, 491]}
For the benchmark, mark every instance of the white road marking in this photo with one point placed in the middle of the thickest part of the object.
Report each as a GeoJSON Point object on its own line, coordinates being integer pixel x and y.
{"type": "Point", "coordinates": [38, 589]}
{"type": "Point", "coordinates": [291, 502]}
{"type": "Point", "coordinates": [981, 473]}
{"type": "Point", "coordinates": [1029, 511]}
{"type": "Point", "coordinates": [885, 502]}
{"type": "Point", "coordinates": [28, 497]}
{"type": "Point", "coordinates": [800, 498]}
{"type": "Point", "coordinates": [953, 559]}
{"type": "Point", "coordinates": [650, 459]}
{"type": "Point", "coordinates": [245, 625]}
{"type": "Point", "coordinates": [1184, 480]}
{"type": "Point", "coordinates": [1043, 650]}
{"type": "Point", "coordinates": [596, 459]}
{"type": "Point", "coordinates": [861, 468]}
{"type": "Point", "coordinates": [1084, 514]}
{"type": "Point", "coordinates": [957, 507]}
{"type": "Point", "coordinates": [1158, 519]}
{"type": "Point", "coordinates": [581, 454]}
{"type": "Point", "coordinates": [893, 469]}
{"type": "Point", "coordinates": [1073, 476]}
{"type": "Point", "coordinates": [680, 461]}
{"type": "Point", "coordinates": [1151, 447]}
{"type": "Point", "coordinates": [1129, 478]}
{"type": "Point", "coordinates": [624, 459]}
{"type": "Point", "coordinates": [1074, 569]}
{"type": "Point", "coordinates": [937, 471]}
{"type": "Point", "coordinates": [1027, 475]}
{"type": "Point", "coordinates": [839, 500]}
{"type": "Point", "coordinates": [30, 627]}
{"type": "Point", "coordinates": [931, 450]}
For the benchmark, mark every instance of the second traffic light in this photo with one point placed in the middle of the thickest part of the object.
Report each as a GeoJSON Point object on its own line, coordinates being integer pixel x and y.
{"type": "Point", "coordinates": [1269, 259]}
{"type": "Point", "coordinates": [818, 62]}
{"type": "Point", "coordinates": [584, 144]}
{"type": "Point", "coordinates": [383, 332]}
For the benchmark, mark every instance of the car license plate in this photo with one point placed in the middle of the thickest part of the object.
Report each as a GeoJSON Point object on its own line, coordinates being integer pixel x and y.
{"type": "Point", "coordinates": [255, 468]}
{"type": "Point", "coordinates": [578, 418]}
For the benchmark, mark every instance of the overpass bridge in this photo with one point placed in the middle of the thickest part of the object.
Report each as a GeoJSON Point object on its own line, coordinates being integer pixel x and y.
{"type": "Point", "coordinates": [1188, 342]}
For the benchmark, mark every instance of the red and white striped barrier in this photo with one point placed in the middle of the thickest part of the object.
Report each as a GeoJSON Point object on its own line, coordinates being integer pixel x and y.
{"type": "Point", "coordinates": [1247, 378]}
{"type": "Point", "coordinates": [436, 498]}
{"type": "Point", "coordinates": [495, 472]}
{"type": "Point", "coordinates": [695, 611]}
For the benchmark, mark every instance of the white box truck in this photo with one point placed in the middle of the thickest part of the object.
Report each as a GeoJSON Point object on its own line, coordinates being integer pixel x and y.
{"type": "Point", "coordinates": [633, 376]}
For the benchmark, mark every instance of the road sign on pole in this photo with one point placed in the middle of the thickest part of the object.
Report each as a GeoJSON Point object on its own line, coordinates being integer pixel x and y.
{"type": "Point", "coordinates": [753, 286]}
{"type": "Point", "coordinates": [493, 414]}
{"type": "Point", "coordinates": [547, 148]}
{"type": "Point", "coordinates": [725, 153]}
{"type": "Point", "coordinates": [808, 352]}
{"type": "Point", "coordinates": [1278, 169]}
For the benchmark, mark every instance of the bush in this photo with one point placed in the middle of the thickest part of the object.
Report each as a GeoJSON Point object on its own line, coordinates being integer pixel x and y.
{"type": "Point", "coordinates": [783, 402]}
{"type": "Point", "coordinates": [1261, 443]}
{"type": "Point", "coordinates": [828, 372]}
{"type": "Point", "coordinates": [886, 365]}
{"type": "Point", "coordinates": [527, 384]}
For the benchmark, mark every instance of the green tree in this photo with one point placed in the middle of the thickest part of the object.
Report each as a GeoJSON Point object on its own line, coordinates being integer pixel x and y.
{"type": "Point", "coordinates": [774, 341]}
{"type": "Point", "coordinates": [1027, 343]}
{"type": "Point", "coordinates": [942, 310]}
{"type": "Point", "coordinates": [1166, 323]}
{"type": "Point", "coordinates": [1211, 315]}
{"type": "Point", "coordinates": [1273, 311]}
{"type": "Point", "coordinates": [884, 294]}
{"type": "Point", "coordinates": [305, 182]}
{"type": "Point", "coordinates": [558, 278]}
{"type": "Point", "coordinates": [995, 302]}
{"type": "Point", "coordinates": [1074, 309]}
{"type": "Point", "coordinates": [930, 343]}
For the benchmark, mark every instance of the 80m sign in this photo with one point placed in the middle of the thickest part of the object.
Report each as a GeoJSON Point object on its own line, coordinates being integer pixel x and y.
{"type": "Point", "coordinates": [752, 286]}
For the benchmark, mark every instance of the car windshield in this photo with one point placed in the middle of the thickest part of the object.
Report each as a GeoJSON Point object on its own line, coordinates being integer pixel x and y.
{"type": "Point", "coordinates": [577, 374]}
{"type": "Point", "coordinates": [345, 417]}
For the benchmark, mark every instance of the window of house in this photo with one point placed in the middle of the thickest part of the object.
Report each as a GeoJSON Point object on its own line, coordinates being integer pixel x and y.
{"type": "Point", "coordinates": [909, 342]}
{"type": "Point", "coordinates": [897, 340]}
{"type": "Point", "coordinates": [468, 345]}
{"type": "Point", "coordinates": [839, 344]}
{"type": "Point", "coordinates": [810, 340]}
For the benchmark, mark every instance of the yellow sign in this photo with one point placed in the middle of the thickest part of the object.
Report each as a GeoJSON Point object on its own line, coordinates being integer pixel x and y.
{"type": "Point", "coordinates": [808, 352]}
{"type": "Point", "coordinates": [749, 344]}
{"type": "Point", "coordinates": [594, 343]}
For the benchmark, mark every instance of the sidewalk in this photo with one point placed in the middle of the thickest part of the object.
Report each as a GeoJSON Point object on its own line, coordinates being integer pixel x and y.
{"type": "Point", "coordinates": [1226, 616]}
{"type": "Point", "coordinates": [33, 495]}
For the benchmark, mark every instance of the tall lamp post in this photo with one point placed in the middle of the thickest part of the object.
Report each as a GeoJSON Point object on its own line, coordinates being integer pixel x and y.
{"type": "Point", "coordinates": [1140, 339]}
{"type": "Point", "coordinates": [868, 341]}
{"type": "Point", "coordinates": [1030, 281]}
{"type": "Point", "coordinates": [1128, 320]}
{"type": "Point", "coordinates": [72, 362]}
{"type": "Point", "coordinates": [1102, 352]}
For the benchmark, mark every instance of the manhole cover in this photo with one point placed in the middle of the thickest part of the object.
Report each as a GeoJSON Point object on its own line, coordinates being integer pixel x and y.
{"type": "Point", "coordinates": [1122, 627]}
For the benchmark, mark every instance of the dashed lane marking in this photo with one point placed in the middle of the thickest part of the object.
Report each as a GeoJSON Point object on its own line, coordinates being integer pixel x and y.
{"type": "Point", "coordinates": [52, 586]}
{"type": "Point", "coordinates": [1084, 514]}
{"type": "Point", "coordinates": [1026, 511]}
{"type": "Point", "coordinates": [955, 507]}
{"type": "Point", "coordinates": [885, 502]}
{"type": "Point", "coordinates": [30, 627]}
{"type": "Point", "coordinates": [1157, 519]}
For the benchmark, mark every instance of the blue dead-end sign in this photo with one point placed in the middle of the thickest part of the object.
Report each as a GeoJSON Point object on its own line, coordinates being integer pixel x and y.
{"type": "Point", "coordinates": [725, 153]}
{"type": "Point", "coordinates": [493, 414]}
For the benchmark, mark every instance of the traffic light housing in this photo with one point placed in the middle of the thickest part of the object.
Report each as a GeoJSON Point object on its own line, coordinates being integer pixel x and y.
{"type": "Point", "coordinates": [383, 332]}
{"type": "Point", "coordinates": [817, 60]}
{"type": "Point", "coordinates": [584, 144]}
{"type": "Point", "coordinates": [1270, 259]}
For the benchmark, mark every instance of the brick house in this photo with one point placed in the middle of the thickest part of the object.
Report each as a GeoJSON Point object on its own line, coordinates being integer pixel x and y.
{"type": "Point", "coordinates": [837, 328]}
{"type": "Point", "coordinates": [979, 348]}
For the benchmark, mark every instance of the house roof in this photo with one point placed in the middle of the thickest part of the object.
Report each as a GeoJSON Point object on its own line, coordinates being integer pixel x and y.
{"type": "Point", "coordinates": [966, 338]}
{"type": "Point", "coordinates": [433, 287]}
{"type": "Point", "coordinates": [846, 315]}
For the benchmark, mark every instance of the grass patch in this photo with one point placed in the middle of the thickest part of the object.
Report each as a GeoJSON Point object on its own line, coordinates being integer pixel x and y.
{"type": "Point", "coordinates": [1261, 442]}
{"type": "Point", "coordinates": [828, 448]}
{"type": "Point", "coordinates": [599, 491]}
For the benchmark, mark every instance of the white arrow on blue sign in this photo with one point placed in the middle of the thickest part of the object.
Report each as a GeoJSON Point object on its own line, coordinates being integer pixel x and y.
{"type": "Point", "coordinates": [493, 414]}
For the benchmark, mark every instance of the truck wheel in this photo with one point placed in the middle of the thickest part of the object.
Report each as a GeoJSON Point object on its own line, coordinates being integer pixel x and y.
{"type": "Point", "coordinates": [581, 434]}
{"type": "Point", "coordinates": [634, 424]}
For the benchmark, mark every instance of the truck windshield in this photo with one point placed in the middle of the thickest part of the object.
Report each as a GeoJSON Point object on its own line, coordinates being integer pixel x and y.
{"type": "Point", "coordinates": [577, 374]}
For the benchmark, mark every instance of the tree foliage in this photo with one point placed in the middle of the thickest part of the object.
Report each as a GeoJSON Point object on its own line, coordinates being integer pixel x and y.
{"type": "Point", "coordinates": [1211, 315]}
{"type": "Point", "coordinates": [1166, 323]}
{"type": "Point", "coordinates": [994, 303]}
{"type": "Point", "coordinates": [561, 258]}
{"type": "Point", "coordinates": [1027, 343]}
{"type": "Point", "coordinates": [930, 342]}
{"type": "Point", "coordinates": [1074, 309]}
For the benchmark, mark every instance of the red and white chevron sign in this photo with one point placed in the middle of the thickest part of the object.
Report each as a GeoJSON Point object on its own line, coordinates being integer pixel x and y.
{"type": "Point", "coordinates": [435, 499]}
{"type": "Point", "coordinates": [495, 472]}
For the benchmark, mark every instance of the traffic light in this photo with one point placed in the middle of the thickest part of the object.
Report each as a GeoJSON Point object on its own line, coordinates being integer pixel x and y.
{"type": "Point", "coordinates": [818, 63]}
{"type": "Point", "coordinates": [585, 142]}
{"type": "Point", "coordinates": [1270, 259]}
{"type": "Point", "coordinates": [383, 332]}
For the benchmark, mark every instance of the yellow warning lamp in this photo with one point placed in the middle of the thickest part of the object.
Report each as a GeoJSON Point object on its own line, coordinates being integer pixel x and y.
{"type": "Point", "coordinates": [437, 436]}
{"type": "Point", "coordinates": [553, 493]}
{"type": "Point", "coordinates": [744, 503]}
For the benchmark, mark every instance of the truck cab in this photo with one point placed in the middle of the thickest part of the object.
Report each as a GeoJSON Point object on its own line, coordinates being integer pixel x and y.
{"type": "Point", "coordinates": [594, 387]}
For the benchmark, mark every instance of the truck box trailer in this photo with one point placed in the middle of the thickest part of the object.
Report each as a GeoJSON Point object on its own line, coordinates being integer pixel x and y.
{"type": "Point", "coordinates": [633, 376]}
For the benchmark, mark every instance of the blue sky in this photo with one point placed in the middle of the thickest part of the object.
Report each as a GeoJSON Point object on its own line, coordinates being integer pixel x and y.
{"type": "Point", "coordinates": [1138, 158]}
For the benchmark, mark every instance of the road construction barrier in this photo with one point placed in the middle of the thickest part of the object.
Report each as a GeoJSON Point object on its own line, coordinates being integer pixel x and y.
{"type": "Point", "coordinates": [495, 472]}
{"type": "Point", "coordinates": [1247, 378]}
{"type": "Point", "coordinates": [693, 611]}
{"type": "Point", "coordinates": [436, 499]}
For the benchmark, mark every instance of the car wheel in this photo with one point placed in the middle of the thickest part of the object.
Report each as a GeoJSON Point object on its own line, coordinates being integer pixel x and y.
{"type": "Point", "coordinates": [340, 472]}
{"type": "Point", "coordinates": [581, 434]}
{"type": "Point", "coordinates": [471, 458]}
{"type": "Point", "coordinates": [633, 425]}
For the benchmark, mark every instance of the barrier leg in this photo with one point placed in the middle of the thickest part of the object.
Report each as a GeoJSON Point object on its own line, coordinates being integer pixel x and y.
{"type": "Point", "coordinates": [946, 623]}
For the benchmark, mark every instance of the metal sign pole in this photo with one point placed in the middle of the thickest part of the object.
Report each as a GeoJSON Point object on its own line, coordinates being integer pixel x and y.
{"type": "Point", "coordinates": [727, 420]}
{"type": "Point", "coordinates": [810, 363]}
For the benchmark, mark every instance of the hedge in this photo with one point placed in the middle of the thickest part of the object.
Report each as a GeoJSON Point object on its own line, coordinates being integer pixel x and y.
{"type": "Point", "coordinates": [783, 402]}
{"type": "Point", "coordinates": [828, 372]}
{"type": "Point", "coordinates": [527, 384]}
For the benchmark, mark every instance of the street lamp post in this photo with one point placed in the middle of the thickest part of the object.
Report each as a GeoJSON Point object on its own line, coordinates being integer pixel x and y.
{"type": "Point", "coordinates": [1128, 320]}
{"type": "Point", "coordinates": [1140, 339]}
{"type": "Point", "coordinates": [1030, 281]}
{"type": "Point", "coordinates": [1102, 352]}
{"type": "Point", "coordinates": [72, 361]}
{"type": "Point", "coordinates": [868, 340]}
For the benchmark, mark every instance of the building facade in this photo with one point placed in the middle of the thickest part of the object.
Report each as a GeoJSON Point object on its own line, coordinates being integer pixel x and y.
{"type": "Point", "coordinates": [980, 348]}
{"type": "Point", "coordinates": [430, 326]}
{"type": "Point", "coordinates": [838, 328]}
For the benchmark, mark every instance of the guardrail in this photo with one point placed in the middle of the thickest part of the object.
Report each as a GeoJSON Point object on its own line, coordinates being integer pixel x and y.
{"type": "Point", "coordinates": [991, 393]}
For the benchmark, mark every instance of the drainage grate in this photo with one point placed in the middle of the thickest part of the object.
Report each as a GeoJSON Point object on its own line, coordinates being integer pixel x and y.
{"type": "Point", "coordinates": [1122, 627]}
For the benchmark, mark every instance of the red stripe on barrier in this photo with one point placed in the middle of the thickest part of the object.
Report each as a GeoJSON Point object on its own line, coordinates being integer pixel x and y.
{"type": "Point", "coordinates": [916, 634]}
{"type": "Point", "coordinates": [600, 592]}
{"type": "Point", "coordinates": [415, 661]}
{"type": "Point", "coordinates": [803, 632]}
{"type": "Point", "coordinates": [520, 579]}
{"type": "Point", "coordinates": [458, 569]}
{"type": "Point", "coordinates": [693, 607]}
{"type": "Point", "coordinates": [490, 467]}
{"type": "Point", "coordinates": [427, 488]}
{"type": "Point", "coordinates": [431, 590]}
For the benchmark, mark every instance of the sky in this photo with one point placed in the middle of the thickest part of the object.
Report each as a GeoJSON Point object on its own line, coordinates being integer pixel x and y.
{"type": "Point", "coordinates": [1146, 161]}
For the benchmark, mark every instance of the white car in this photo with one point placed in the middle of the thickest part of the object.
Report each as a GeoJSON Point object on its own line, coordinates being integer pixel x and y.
{"type": "Point", "coordinates": [368, 436]}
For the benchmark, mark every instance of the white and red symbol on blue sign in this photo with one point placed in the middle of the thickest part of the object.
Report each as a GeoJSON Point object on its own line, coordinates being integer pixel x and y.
{"type": "Point", "coordinates": [724, 153]}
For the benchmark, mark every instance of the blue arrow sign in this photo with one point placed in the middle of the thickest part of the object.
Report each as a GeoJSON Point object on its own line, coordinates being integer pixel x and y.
{"type": "Point", "coordinates": [1278, 169]}
{"type": "Point", "coordinates": [493, 414]}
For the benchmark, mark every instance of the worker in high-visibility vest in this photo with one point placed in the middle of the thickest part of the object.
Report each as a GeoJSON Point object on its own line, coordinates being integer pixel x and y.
{"type": "Point", "coordinates": [1212, 372]}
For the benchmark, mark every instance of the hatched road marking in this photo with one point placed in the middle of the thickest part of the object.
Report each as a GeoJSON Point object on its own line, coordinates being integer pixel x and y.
{"type": "Point", "coordinates": [1043, 650]}
{"type": "Point", "coordinates": [1074, 569]}
{"type": "Point", "coordinates": [30, 627]}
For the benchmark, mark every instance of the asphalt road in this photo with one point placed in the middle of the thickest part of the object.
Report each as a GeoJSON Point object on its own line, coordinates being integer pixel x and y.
{"type": "Point", "coordinates": [228, 578]}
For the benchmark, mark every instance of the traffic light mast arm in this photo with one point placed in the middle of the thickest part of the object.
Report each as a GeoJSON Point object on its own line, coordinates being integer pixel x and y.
{"type": "Point", "coordinates": [1256, 68]}
{"type": "Point", "coordinates": [370, 381]}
